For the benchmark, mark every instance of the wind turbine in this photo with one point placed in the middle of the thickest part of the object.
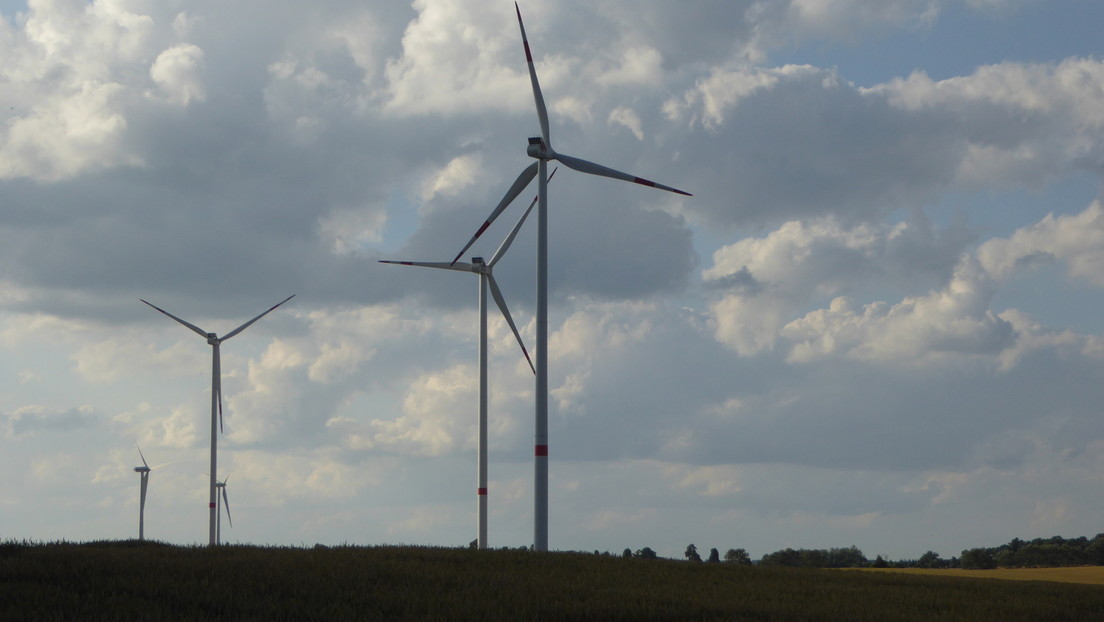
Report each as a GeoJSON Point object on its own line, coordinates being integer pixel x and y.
{"type": "Point", "coordinates": [216, 399]}
{"type": "Point", "coordinates": [540, 148]}
{"type": "Point", "coordinates": [485, 270]}
{"type": "Point", "coordinates": [144, 472]}
{"type": "Point", "coordinates": [222, 501]}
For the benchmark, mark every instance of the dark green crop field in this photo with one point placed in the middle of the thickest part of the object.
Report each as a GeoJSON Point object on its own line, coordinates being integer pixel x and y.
{"type": "Point", "coordinates": [150, 581]}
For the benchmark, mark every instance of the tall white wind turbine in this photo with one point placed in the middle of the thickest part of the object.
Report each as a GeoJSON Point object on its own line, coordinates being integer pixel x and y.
{"type": "Point", "coordinates": [485, 270]}
{"type": "Point", "coordinates": [144, 472]}
{"type": "Point", "coordinates": [540, 148]}
{"type": "Point", "coordinates": [216, 400]}
{"type": "Point", "coordinates": [223, 501]}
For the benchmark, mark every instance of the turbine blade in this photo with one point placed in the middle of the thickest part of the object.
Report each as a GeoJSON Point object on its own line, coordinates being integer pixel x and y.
{"type": "Point", "coordinates": [583, 166]}
{"type": "Point", "coordinates": [520, 183]}
{"type": "Point", "coordinates": [226, 504]}
{"type": "Point", "coordinates": [542, 112]}
{"type": "Point", "coordinates": [246, 325]}
{"type": "Point", "coordinates": [144, 463]}
{"type": "Point", "coordinates": [460, 267]}
{"type": "Point", "coordinates": [199, 331]}
{"type": "Point", "coordinates": [513, 232]}
{"type": "Point", "coordinates": [497, 293]}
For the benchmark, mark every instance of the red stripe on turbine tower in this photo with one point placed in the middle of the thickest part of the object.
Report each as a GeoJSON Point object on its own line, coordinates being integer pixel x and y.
{"type": "Point", "coordinates": [210, 506]}
{"type": "Point", "coordinates": [542, 450]}
{"type": "Point", "coordinates": [482, 492]}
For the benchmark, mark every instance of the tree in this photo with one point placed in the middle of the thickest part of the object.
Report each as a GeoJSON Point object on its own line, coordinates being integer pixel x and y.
{"type": "Point", "coordinates": [929, 560]}
{"type": "Point", "coordinates": [1094, 553]}
{"type": "Point", "coordinates": [627, 553]}
{"type": "Point", "coordinates": [813, 558]}
{"type": "Point", "coordinates": [714, 556]}
{"type": "Point", "coordinates": [645, 553]}
{"type": "Point", "coordinates": [738, 556]}
{"type": "Point", "coordinates": [880, 563]}
{"type": "Point", "coordinates": [978, 559]}
{"type": "Point", "coordinates": [850, 557]}
{"type": "Point", "coordinates": [692, 553]}
{"type": "Point", "coordinates": [785, 557]}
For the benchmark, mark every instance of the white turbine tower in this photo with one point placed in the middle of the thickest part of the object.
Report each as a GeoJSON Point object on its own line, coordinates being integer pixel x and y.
{"type": "Point", "coordinates": [540, 147]}
{"type": "Point", "coordinates": [216, 400]}
{"type": "Point", "coordinates": [486, 278]}
{"type": "Point", "coordinates": [222, 501]}
{"type": "Point", "coordinates": [144, 472]}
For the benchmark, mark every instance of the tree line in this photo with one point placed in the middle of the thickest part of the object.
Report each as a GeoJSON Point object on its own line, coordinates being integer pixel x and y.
{"type": "Point", "coordinates": [1037, 553]}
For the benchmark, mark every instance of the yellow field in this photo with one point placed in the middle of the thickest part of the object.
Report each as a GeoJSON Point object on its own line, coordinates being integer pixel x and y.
{"type": "Point", "coordinates": [1093, 575]}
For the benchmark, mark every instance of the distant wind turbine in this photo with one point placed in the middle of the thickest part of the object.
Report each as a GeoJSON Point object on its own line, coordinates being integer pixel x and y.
{"type": "Point", "coordinates": [486, 278]}
{"type": "Point", "coordinates": [540, 147]}
{"type": "Point", "coordinates": [222, 501]}
{"type": "Point", "coordinates": [144, 472]}
{"type": "Point", "coordinates": [216, 400]}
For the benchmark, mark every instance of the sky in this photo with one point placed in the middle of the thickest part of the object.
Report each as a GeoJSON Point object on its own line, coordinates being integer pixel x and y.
{"type": "Point", "coordinates": [875, 323]}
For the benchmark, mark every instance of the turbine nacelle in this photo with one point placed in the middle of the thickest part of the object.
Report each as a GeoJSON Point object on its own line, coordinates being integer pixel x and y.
{"type": "Point", "coordinates": [142, 469]}
{"type": "Point", "coordinates": [479, 266]}
{"type": "Point", "coordinates": [539, 150]}
{"type": "Point", "coordinates": [212, 339]}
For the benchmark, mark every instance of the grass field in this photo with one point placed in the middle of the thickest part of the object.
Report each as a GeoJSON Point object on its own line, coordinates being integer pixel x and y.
{"type": "Point", "coordinates": [150, 581]}
{"type": "Point", "coordinates": [1090, 575]}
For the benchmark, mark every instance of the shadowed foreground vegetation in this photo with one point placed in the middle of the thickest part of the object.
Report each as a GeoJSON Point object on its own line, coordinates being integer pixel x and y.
{"type": "Point", "coordinates": [151, 581]}
{"type": "Point", "coordinates": [1088, 575]}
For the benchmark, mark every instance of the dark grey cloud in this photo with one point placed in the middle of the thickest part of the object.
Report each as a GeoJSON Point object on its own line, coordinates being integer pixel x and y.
{"type": "Point", "coordinates": [813, 146]}
{"type": "Point", "coordinates": [862, 416]}
{"type": "Point", "coordinates": [35, 421]}
{"type": "Point", "coordinates": [742, 281]}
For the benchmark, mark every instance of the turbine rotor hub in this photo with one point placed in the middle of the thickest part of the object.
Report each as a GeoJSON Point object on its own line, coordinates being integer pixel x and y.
{"type": "Point", "coordinates": [537, 149]}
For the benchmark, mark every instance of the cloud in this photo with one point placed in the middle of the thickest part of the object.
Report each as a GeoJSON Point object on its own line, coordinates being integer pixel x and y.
{"type": "Point", "coordinates": [460, 172]}
{"type": "Point", "coordinates": [178, 73]}
{"type": "Point", "coordinates": [857, 357]}
{"type": "Point", "coordinates": [765, 283]}
{"type": "Point", "coordinates": [453, 60]}
{"type": "Point", "coordinates": [1025, 123]}
{"type": "Point", "coordinates": [1077, 240]}
{"type": "Point", "coordinates": [31, 420]}
{"type": "Point", "coordinates": [956, 320]}
{"type": "Point", "coordinates": [73, 67]}
{"type": "Point", "coordinates": [793, 22]}
{"type": "Point", "coordinates": [1008, 125]}
{"type": "Point", "coordinates": [627, 118]}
